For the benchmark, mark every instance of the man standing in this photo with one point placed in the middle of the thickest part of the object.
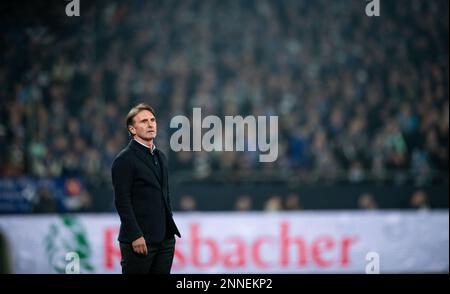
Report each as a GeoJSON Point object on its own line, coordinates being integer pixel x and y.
{"type": "Point", "coordinates": [141, 189]}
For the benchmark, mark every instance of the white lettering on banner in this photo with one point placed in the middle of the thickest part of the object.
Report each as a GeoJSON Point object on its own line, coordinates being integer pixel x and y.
{"type": "Point", "coordinates": [373, 267]}
{"type": "Point", "coordinates": [73, 265]}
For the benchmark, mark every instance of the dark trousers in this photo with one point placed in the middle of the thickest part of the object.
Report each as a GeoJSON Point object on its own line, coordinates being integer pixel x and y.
{"type": "Point", "coordinates": [158, 260]}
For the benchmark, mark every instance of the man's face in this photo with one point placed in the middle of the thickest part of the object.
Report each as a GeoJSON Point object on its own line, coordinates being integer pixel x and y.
{"type": "Point", "coordinates": [144, 126]}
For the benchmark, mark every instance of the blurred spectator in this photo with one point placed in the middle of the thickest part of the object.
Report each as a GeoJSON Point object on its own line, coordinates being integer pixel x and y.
{"type": "Point", "coordinates": [243, 203]}
{"type": "Point", "coordinates": [292, 202]}
{"type": "Point", "coordinates": [356, 173]}
{"type": "Point", "coordinates": [188, 203]}
{"type": "Point", "coordinates": [367, 202]}
{"type": "Point", "coordinates": [77, 199]}
{"type": "Point", "coordinates": [45, 202]}
{"type": "Point", "coordinates": [274, 203]}
{"type": "Point", "coordinates": [419, 200]}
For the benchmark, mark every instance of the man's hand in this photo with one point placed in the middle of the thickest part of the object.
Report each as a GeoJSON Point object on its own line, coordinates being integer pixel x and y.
{"type": "Point", "coordinates": [139, 246]}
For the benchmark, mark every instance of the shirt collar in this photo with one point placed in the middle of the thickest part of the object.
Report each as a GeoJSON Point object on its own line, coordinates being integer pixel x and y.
{"type": "Point", "coordinates": [152, 149]}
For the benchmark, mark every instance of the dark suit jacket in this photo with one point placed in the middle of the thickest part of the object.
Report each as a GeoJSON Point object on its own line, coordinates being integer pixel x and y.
{"type": "Point", "coordinates": [141, 196]}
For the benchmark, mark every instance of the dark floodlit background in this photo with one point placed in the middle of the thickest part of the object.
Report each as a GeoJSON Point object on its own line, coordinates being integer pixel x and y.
{"type": "Point", "coordinates": [363, 106]}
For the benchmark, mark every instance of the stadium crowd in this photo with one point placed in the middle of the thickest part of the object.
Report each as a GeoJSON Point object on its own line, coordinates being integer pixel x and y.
{"type": "Point", "coordinates": [358, 98]}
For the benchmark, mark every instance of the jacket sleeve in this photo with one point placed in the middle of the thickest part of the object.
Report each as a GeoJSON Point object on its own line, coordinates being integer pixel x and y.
{"type": "Point", "coordinates": [122, 179]}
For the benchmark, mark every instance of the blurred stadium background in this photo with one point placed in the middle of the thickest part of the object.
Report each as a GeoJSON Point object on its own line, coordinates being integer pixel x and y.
{"type": "Point", "coordinates": [363, 108]}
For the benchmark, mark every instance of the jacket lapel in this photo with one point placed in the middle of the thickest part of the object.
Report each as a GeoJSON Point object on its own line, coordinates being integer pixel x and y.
{"type": "Point", "coordinates": [163, 170]}
{"type": "Point", "coordinates": [146, 159]}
